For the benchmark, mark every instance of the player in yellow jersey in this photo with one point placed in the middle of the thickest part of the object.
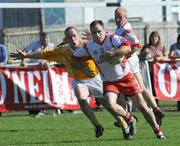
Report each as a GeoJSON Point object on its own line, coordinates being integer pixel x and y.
{"type": "Point", "coordinates": [83, 85]}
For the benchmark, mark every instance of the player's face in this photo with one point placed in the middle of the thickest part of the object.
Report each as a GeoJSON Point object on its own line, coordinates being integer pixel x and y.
{"type": "Point", "coordinates": [98, 32]}
{"type": "Point", "coordinates": [73, 38]}
{"type": "Point", "coordinates": [119, 18]}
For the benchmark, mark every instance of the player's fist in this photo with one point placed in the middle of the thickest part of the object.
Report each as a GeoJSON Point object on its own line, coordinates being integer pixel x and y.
{"type": "Point", "coordinates": [116, 59]}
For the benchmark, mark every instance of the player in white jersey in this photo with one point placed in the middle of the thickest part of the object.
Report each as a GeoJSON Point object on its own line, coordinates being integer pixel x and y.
{"type": "Point", "coordinates": [117, 77]}
{"type": "Point", "coordinates": [125, 30]}
{"type": "Point", "coordinates": [92, 86]}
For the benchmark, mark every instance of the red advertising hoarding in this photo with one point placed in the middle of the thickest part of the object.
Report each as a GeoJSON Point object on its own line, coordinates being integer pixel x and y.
{"type": "Point", "coordinates": [167, 80]}
{"type": "Point", "coordinates": [37, 88]}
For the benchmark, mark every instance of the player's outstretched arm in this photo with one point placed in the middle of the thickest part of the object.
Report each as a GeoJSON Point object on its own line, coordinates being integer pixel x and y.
{"type": "Point", "coordinates": [22, 55]}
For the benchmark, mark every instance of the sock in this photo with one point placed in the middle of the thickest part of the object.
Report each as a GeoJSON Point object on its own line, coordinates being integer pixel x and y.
{"type": "Point", "coordinates": [123, 124]}
{"type": "Point", "coordinates": [128, 117]}
{"type": "Point", "coordinates": [157, 130]}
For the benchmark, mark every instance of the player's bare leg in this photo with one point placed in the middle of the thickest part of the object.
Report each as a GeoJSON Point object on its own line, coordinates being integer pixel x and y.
{"type": "Point", "coordinates": [150, 99]}
{"type": "Point", "coordinates": [148, 114]}
{"type": "Point", "coordinates": [118, 111]}
{"type": "Point", "coordinates": [82, 93]}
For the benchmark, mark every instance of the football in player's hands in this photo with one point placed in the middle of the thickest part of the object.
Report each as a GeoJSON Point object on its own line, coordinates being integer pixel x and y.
{"type": "Point", "coordinates": [116, 59]}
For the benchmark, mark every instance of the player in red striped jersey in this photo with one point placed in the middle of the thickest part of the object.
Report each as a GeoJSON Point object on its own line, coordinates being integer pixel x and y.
{"type": "Point", "coordinates": [125, 30]}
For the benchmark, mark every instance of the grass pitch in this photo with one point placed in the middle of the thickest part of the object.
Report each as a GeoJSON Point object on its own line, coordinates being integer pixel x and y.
{"type": "Point", "coordinates": [20, 129]}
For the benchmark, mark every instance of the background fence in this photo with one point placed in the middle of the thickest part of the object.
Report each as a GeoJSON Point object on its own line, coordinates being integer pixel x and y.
{"type": "Point", "coordinates": [18, 38]}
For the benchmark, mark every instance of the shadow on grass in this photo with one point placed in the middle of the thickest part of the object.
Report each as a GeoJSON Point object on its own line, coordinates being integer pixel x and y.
{"type": "Point", "coordinates": [6, 115]}
{"type": "Point", "coordinates": [63, 142]}
{"type": "Point", "coordinates": [22, 130]}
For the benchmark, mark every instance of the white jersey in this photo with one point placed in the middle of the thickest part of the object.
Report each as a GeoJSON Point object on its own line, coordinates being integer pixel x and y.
{"type": "Point", "coordinates": [126, 31]}
{"type": "Point", "coordinates": [97, 51]}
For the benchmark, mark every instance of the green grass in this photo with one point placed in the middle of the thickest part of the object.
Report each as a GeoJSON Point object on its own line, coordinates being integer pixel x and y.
{"type": "Point", "coordinates": [20, 129]}
{"type": "Point", "coordinates": [168, 104]}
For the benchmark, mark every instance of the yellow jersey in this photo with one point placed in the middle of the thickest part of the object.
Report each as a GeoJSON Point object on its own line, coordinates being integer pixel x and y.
{"type": "Point", "coordinates": [63, 53]}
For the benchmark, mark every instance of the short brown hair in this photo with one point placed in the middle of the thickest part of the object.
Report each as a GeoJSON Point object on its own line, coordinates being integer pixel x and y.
{"type": "Point", "coordinates": [69, 28]}
{"type": "Point", "coordinates": [95, 22]}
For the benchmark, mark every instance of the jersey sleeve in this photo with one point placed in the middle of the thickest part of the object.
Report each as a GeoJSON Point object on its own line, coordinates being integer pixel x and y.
{"type": "Point", "coordinates": [57, 54]}
{"type": "Point", "coordinates": [128, 33]}
{"type": "Point", "coordinates": [118, 41]}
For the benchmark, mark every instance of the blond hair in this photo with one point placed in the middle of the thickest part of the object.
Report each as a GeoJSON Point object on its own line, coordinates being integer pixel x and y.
{"type": "Point", "coordinates": [121, 10]}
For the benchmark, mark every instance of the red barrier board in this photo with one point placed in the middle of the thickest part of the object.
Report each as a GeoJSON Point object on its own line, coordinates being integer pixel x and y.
{"type": "Point", "coordinates": [167, 80]}
{"type": "Point", "coordinates": [24, 88]}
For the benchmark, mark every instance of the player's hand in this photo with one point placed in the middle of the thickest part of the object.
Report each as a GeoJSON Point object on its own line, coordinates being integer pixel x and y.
{"type": "Point", "coordinates": [116, 59]}
{"type": "Point", "coordinates": [87, 34]}
{"type": "Point", "coordinates": [109, 54]}
{"type": "Point", "coordinates": [18, 55]}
